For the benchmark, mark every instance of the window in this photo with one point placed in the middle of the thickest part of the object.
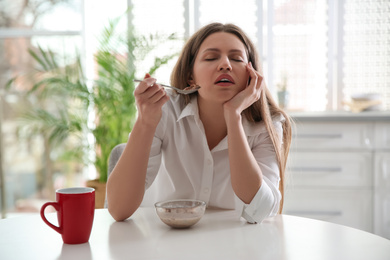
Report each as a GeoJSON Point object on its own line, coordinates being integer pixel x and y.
{"type": "Point", "coordinates": [161, 19]}
{"type": "Point", "coordinates": [366, 49]}
{"type": "Point", "coordinates": [327, 50]}
{"type": "Point", "coordinates": [243, 14]}
{"type": "Point", "coordinates": [299, 52]}
{"type": "Point", "coordinates": [26, 25]}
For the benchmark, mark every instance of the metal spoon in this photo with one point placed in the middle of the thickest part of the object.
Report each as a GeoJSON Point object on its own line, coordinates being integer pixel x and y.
{"type": "Point", "coordinates": [181, 91]}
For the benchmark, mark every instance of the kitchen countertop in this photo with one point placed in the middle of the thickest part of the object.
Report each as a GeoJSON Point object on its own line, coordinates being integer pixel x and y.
{"type": "Point", "coordinates": [341, 116]}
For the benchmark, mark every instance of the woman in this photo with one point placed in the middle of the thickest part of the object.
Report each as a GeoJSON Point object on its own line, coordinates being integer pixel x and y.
{"type": "Point", "coordinates": [227, 144]}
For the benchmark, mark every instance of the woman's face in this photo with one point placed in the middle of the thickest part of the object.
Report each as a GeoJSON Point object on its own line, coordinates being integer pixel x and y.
{"type": "Point", "coordinates": [220, 67]}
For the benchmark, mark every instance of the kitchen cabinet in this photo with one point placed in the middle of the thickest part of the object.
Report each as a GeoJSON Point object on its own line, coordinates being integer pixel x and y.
{"type": "Point", "coordinates": [339, 169]}
{"type": "Point", "coordinates": [382, 194]}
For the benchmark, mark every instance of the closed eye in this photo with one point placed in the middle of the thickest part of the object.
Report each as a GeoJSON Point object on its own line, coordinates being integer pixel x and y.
{"type": "Point", "coordinates": [238, 59]}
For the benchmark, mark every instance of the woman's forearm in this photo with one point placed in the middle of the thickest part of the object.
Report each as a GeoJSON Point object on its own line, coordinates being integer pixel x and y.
{"type": "Point", "coordinates": [126, 184]}
{"type": "Point", "coordinates": [246, 176]}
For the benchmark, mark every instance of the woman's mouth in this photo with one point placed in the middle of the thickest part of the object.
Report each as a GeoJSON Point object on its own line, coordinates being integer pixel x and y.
{"type": "Point", "coordinates": [224, 80]}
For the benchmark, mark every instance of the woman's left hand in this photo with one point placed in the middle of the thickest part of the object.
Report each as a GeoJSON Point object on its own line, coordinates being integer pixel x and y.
{"type": "Point", "coordinates": [246, 97]}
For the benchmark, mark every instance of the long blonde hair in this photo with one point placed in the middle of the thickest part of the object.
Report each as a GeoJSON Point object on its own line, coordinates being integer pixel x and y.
{"type": "Point", "coordinates": [262, 110]}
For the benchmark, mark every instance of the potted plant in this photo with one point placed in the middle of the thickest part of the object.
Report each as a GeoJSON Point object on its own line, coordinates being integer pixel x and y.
{"type": "Point", "coordinates": [109, 97]}
{"type": "Point", "coordinates": [283, 94]}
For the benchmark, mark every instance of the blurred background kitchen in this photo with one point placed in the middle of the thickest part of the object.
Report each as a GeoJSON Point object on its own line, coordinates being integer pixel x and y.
{"type": "Point", "coordinates": [326, 61]}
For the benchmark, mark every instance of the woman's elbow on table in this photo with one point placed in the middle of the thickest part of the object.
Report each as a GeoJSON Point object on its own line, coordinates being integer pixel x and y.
{"type": "Point", "coordinates": [120, 204]}
{"type": "Point", "coordinates": [120, 214]}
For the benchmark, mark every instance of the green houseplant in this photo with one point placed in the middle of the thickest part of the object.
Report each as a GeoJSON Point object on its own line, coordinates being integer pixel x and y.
{"type": "Point", "coordinates": [109, 98]}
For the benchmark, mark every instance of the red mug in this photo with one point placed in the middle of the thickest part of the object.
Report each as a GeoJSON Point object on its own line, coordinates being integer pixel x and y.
{"type": "Point", "coordinates": [75, 211]}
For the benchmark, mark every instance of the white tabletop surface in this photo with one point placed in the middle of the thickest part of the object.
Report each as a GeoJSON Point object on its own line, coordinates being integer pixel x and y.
{"type": "Point", "coordinates": [218, 235]}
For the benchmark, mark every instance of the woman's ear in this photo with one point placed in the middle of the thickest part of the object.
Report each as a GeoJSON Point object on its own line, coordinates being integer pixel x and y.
{"type": "Point", "coordinates": [190, 81]}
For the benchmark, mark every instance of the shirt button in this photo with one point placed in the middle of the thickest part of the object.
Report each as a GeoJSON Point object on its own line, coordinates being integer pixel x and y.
{"type": "Point", "coordinates": [209, 162]}
{"type": "Point", "coordinates": [206, 190]}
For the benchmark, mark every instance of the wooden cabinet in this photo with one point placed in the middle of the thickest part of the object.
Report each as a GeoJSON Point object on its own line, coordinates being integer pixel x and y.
{"type": "Point", "coordinates": [339, 170]}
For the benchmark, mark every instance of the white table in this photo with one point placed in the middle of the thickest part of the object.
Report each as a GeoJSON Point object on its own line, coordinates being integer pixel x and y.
{"type": "Point", "coordinates": [218, 235]}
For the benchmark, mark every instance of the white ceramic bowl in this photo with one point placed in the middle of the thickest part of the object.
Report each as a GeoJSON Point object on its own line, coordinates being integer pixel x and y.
{"type": "Point", "coordinates": [182, 213]}
{"type": "Point", "coordinates": [365, 96]}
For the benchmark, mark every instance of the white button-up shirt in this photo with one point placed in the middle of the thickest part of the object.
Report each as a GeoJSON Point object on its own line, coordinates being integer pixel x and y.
{"type": "Point", "coordinates": [181, 165]}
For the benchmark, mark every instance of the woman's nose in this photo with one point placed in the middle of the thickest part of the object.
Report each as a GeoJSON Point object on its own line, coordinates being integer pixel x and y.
{"type": "Point", "coordinates": [225, 64]}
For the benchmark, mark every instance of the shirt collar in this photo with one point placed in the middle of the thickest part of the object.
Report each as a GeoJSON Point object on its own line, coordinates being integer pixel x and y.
{"type": "Point", "coordinates": [191, 109]}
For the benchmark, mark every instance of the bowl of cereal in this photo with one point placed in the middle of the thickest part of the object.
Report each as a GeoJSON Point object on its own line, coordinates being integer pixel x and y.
{"type": "Point", "coordinates": [180, 213]}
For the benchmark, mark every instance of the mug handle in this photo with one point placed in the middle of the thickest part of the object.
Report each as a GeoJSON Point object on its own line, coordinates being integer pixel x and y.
{"type": "Point", "coordinates": [56, 206]}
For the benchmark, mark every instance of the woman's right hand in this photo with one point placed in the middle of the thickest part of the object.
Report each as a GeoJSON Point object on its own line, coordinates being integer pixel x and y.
{"type": "Point", "coordinates": [150, 97]}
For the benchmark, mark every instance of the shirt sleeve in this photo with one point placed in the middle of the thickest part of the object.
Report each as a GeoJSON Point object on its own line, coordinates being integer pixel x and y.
{"type": "Point", "coordinates": [266, 202]}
